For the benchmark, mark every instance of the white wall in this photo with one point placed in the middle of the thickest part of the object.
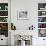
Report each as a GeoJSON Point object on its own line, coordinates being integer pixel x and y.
{"type": "Point", "coordinates": [32, 7]}
{"type": "Point", "coordinates": [26, 5]}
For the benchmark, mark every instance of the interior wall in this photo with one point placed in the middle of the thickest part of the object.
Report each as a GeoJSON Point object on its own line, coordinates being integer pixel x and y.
{"type": "Point", "coordinates": [32, 7]}
{"type": "Point", "coordinates": [25, 5]}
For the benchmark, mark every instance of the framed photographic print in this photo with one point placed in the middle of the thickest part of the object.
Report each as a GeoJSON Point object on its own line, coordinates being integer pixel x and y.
{"type": "Point", "coordinates": [22, 14]}
{"type": "Point", "coordinates": [42, 32]}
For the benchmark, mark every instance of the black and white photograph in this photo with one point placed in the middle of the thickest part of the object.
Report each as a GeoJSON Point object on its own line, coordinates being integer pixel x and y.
{"type": "Point", "coordinates": [22, 14]}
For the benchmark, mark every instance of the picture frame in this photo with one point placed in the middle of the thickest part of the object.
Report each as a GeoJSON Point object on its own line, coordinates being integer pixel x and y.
{"type": "Point", "coordinates": [22, 15]}
{"type": "Point", "coordinates": [42, 32]}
